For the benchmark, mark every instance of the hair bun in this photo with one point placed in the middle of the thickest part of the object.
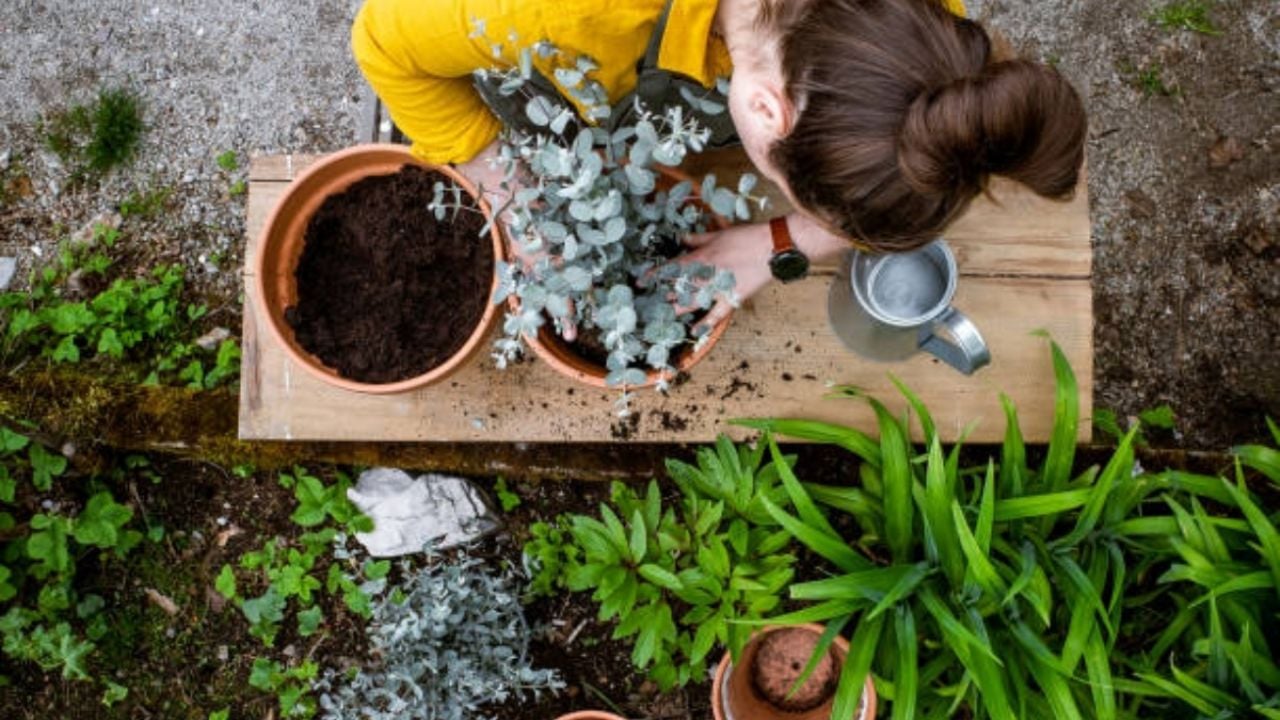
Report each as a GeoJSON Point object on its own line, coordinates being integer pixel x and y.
{"type": "Point", "coordinates": [1016, 118]}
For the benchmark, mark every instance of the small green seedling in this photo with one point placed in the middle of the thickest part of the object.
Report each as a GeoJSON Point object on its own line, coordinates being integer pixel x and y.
{"type": "Point", "coordinates": [1190, 15]}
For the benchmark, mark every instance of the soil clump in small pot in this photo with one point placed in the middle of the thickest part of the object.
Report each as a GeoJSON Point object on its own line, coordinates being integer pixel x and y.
{"type": "Point", "coordinates": [782, 657]}
{"type": "Point", "coordinates": [386, 291]}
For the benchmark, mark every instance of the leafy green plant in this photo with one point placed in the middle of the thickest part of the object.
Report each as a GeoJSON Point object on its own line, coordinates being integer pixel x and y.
{"type": "Point", "coordinates": [145, 203]}
{"type": "Point", "coordinates": [451, 639]}
{"type": "Point", "coordinates": [506, 498]}
{"type": "Point", "coordinates": [599, 223]}
{"type": "Point", "coordinates": [1017, 583]}
{"type": "Point", "coordinates": [287, 571]}
{"type": "Point", "coordinates": [136, 320]}
{"type": "Point", "coordinates": [679, 579]}
{"type": "Point", "coordinates": [291, 685]}
{"type": "Point", "coordinates": [1186, 15]}
{"type": "Point", "coordinates": [98, 137]}
{"type": "Point", "coordinates": [48, 621]}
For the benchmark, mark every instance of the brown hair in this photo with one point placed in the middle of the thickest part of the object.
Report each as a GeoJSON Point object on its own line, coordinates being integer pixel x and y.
{"type": "Point", "coordinates": [904, 114]}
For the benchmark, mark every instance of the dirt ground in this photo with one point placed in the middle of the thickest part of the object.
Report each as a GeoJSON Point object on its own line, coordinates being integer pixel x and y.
{"type": "Point", "coordinates": [1184, 178]}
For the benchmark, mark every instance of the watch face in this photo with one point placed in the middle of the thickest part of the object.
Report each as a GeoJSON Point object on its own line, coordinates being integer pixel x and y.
{"type": "Point", "coordinates": [789, 265]}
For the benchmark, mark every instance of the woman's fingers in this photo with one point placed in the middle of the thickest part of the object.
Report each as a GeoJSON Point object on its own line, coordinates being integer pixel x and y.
{"type": "Point", "coordinates": [718, 312]}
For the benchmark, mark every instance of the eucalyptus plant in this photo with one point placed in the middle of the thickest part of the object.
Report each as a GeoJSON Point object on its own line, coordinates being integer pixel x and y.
{"type": "Point", "coordinates": [596, 222]}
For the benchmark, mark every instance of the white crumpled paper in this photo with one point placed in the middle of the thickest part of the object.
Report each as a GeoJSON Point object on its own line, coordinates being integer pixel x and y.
{"type": "Point", "coordinates": [408, 512]}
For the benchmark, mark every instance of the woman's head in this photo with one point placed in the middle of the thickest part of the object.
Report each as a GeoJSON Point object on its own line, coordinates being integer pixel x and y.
{"type": "Point", "coordinates": [893, 113]}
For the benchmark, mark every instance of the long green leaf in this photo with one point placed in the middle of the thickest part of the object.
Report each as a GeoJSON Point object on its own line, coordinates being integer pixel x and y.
{"type": "Point", "coordinates": [829, 635]}
{"type": "Point", "coordinates": [1261, 458]}
{"type": "Point", "coordinates": [980, 567]}
{"type": "Point", "coordinates": [1056, 691]}
{"type": "Point", "coordinates": [986, 510]}
{"type": "Point", "coordinates": [829, 547]}
{"type": "Point", "coordinates": [855, 441]}
{"type": "Point", "coordinates": [895, 459]}
{"type": "Point", "coordinates": [1066, 415]}
{"type": "Point", "coordinates": [820, 612]}
{"type": "Point", "coordinates": [906, 679]}
{"type": "Point", "coordinates": [927, 427]}
{"type": "Point", "coordinates": [937, 512]}
{"type": "Point", "coordinates": [1077, 579]}
{"type": "Point", "coordinates": [1097, 662]}
{"type": "Point", "coordinates": [1013, 453]}
{"type": "Point", "coordinates": [1120, 466]}
{"type": "Point", "coordinates": [1203, 690]}
{"type": "Point", "coordinates": [950, 625]}
{"type": "Point", "coordinates": [1266, 533]}
{"type": "Point", "coordinates": [866, 584]}
{"type": "Point", "coordinates": [902, 588]}
{"type": "Point", "coordinates": [855, 501]}
{"type": "Point", "coordinates": [808, 512]}
{"type": "Point", "coordinates": [857, 665]}
{"type": "Point", "coordinates": [1030, 506]}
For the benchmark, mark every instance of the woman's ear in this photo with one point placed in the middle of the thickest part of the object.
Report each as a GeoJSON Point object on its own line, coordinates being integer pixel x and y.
{"type": "Point", "coordinates": [769, 109]}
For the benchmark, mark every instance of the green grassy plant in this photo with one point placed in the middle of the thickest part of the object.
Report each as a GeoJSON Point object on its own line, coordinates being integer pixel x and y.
{"type": "Point", "coordinates": [93, 139]}
{"type": "Point", "coordinates": [1014, 591]}
{"type": "Point", "coordinates": [1186, 15]}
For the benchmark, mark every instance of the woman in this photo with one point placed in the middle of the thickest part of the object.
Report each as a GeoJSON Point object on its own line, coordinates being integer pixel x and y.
{"type": "Point", "coordinates": [880, 119]}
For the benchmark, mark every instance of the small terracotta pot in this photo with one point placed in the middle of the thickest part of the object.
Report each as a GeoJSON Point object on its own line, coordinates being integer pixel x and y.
{"type": "Point", "coordinates": [735, 696]}
{"type": "Point", "coordinates": [556, 352]}
{"type": "Point", "coordinates": [590, 715]}
{"type": "Point", "coordinates": [275, 288]}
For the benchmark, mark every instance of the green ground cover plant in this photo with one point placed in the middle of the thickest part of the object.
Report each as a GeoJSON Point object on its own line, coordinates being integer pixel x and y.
{"type": "Point", "coordinates": [1190, 15]}
{"type": "Point", "coordinates": [46, 618]}
{"type": "Point", "coordinates": [95, 138]}
{"type": "Point", "coordinates": [680, 578]}
{"type": "Point", "coordinates": [141, 325]}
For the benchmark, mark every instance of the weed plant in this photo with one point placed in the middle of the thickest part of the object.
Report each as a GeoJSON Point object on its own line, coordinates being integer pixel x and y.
{"type": "Point", "coordinates": [93, 139]}
{"type": "Point", "coordinates": [1190, 15]}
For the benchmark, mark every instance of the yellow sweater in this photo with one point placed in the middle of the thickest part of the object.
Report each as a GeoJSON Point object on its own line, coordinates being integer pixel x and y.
{"type": "Point", "coordinates": [419, 55]}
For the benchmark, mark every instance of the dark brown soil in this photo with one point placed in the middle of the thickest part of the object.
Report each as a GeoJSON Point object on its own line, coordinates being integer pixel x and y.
{"type": "Point", "coordinates": [385, 291]}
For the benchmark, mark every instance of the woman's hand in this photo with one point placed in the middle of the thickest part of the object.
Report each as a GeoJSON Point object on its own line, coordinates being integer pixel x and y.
{"type": "Point", "coordinates": [745, 251]}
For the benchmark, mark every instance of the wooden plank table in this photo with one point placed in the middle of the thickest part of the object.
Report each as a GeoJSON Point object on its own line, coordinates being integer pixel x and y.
{"type": "Point", "coordinates": [1025, 265]}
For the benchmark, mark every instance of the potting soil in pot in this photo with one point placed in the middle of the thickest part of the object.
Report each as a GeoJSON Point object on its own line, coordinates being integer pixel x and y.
{"type": "Point", "coordinates": [385, 291]}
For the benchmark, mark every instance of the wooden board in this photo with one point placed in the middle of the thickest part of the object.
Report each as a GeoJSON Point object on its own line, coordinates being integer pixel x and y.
{"type": "Point", "coordinates": [1025, 266]}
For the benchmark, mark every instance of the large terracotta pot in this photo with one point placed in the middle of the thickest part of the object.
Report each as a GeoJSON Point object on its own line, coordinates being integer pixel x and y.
{"type": "Point", "coordinates": [734, 692]}
{"type": "Point", "coordinates": [590, 715]}
{"type": "Point", "coordinates": [275, 288]}
{"type": "Point", "coordinates": [560, 355]}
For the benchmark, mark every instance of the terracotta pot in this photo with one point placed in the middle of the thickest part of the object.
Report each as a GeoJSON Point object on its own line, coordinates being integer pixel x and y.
{"type": "Point", "coordinates": [735, 694]}
{"type": "Point", "coordinates": [275, 288]}
{"type": "Point", "coordinates": [590, 715]}
{"type": "Point", "coordinates": [560, 355]}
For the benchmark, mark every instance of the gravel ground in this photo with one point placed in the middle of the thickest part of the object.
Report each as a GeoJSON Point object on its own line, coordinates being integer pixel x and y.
{"type": "Point", "coordinates": [1185, 187]}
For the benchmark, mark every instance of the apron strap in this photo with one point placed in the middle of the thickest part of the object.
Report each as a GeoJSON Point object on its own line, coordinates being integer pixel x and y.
{"type": "Point", "coordinates": [656, 88]}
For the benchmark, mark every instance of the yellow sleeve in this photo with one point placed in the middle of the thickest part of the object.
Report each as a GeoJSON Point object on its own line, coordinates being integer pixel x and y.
{"type": "Point", "coordinates": [418, 56]}
{"type": "Point", "coordinates": [957, 8]}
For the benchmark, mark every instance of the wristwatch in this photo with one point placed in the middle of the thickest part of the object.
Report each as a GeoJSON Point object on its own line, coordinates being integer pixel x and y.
{"type": "Point", "coordinates": [787, 262]}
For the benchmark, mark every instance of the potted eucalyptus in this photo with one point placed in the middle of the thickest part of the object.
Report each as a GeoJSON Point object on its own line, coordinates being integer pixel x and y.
{"type": "Point", "coordinates": [597, 212]}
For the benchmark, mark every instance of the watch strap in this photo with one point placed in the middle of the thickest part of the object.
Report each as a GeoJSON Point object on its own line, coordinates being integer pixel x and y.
{"type": "Point", "coordinates": [781, 235]}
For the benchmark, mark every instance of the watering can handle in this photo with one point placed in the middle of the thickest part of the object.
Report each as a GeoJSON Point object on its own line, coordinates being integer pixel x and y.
{"type": "Point", "coordinates": [966, 352]}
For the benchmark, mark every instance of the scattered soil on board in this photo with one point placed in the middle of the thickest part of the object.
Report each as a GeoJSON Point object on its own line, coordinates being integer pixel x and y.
{"type": "Point", "coordinates": [385, 290]}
